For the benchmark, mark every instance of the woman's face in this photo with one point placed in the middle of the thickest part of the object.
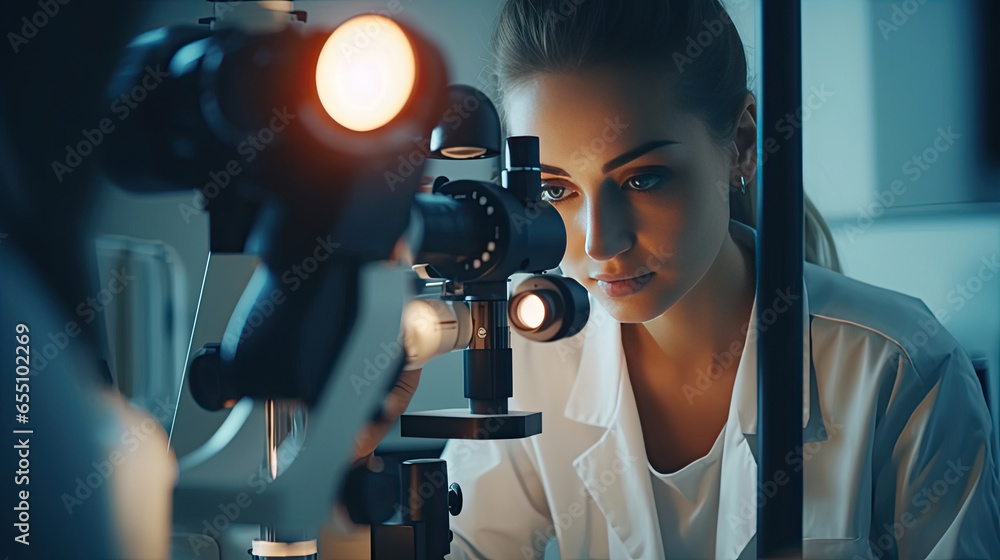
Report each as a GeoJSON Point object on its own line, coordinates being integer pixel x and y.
{"type": "Point", "coordinates": [640, 184]}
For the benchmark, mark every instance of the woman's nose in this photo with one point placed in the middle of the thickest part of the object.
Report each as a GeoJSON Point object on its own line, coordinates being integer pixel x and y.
{"type": "Point", "coordinates": [608, 229]}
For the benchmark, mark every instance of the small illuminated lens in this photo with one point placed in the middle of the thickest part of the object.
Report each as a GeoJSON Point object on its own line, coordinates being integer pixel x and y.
{"type": "Point", "coordinates": [462, 152]}
{"type": "Point", "coordinates": [531, 311]}
{"type": "Point", "coordinates": [366, 72]}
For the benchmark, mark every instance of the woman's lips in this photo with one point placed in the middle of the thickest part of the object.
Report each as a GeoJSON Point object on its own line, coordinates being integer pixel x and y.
{"type": "Point", "coordinates": [627, 287]}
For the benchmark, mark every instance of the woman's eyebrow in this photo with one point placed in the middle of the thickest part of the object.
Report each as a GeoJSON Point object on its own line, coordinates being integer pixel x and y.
{"type": "Point", "coordinates": [552, 170]}
{"type": "Point", "coordinates": [618, 161]}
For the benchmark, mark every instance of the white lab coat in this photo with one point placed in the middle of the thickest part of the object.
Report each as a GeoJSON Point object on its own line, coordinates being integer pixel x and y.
{"type": "Point", "coordinates": [898, 456]}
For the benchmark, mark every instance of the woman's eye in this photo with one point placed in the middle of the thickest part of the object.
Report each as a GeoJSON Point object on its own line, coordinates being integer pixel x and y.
{"type": "Point", "coordinates": [554, 193]}
{"type": "Point", "coordinates": [644, 181]}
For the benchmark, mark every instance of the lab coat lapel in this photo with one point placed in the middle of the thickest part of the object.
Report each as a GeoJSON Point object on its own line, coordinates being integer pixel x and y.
{"type": "Point", "coordinates": [745, 389]}
{"type": "Point", "coordinates": [615, 475]}
{"type": "Point", "coordinates": [613, 470]}
{"type": "Point", "coordinates": [595, 394]}
{"type": "Point", "coordinates": [737, 522]}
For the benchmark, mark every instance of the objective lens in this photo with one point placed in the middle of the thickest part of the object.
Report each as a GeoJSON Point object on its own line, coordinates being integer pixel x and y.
{"type": "Point", "coordinates": [366, 72]}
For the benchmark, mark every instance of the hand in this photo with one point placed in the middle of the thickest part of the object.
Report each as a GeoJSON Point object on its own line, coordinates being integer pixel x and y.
{"type": "Point", "coordinates": [142, 485]}
{"type": "Point", "coordinates": [395, 404]}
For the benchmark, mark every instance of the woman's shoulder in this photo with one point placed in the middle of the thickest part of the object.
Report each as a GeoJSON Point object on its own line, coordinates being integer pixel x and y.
{"type": "Point", "coordinates": [895, 322]}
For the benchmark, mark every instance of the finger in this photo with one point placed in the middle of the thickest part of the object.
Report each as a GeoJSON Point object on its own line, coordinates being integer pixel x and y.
{"type": "Point", "coordinates": [395, 404]}
{"type": "Point", "coordinates": [426, 184]}
{"type": "Point", "coordinates": [407, 383]}
{"type": "Point", "coordinates": [369, 438]}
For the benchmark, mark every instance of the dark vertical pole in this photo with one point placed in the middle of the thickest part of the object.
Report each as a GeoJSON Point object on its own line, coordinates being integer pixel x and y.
{"type": "Point", "coordinates": [989, 74]}
{"type": "Point", "coordinates": [779, 268]}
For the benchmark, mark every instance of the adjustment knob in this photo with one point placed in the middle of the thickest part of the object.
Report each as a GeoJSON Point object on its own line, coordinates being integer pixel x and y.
{"type": "Point", "coordinates": [454, 498]}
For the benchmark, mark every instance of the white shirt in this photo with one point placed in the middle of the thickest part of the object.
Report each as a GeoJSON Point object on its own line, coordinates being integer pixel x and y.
{"type": "Point", "coordinates": [687, 500]}
{"type": "Point", "coordinates": [899, 459]}
{"type": "Point", "coordinates": [687, 505]}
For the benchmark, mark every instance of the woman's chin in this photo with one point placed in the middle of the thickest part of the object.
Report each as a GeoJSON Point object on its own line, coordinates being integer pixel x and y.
{"type": "Point", "coordinates": [636, 308]}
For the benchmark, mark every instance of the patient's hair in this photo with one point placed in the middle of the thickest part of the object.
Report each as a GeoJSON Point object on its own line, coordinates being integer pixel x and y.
{"type": "Point", "coordinates": [534, 37]}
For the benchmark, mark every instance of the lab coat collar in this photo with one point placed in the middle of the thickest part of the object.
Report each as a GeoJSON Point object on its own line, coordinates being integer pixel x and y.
{"type": "Point", "coordinates": [745, 386]}
{"type": "Point", "coordinates": [595, 396]}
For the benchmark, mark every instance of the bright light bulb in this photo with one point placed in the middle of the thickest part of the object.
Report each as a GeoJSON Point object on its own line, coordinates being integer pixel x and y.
{"type": "Point", "coordinates": [366, 72]}
{"type": "Point", "coordinates": [531, 311]}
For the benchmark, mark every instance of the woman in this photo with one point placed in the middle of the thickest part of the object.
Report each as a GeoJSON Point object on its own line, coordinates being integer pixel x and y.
{"type": "Point", "coordinates": [649, 434]}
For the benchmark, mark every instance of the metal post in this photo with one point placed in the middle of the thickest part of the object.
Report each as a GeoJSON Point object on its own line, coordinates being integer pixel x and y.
{"type": "Point", "coordinates": [779, 268]}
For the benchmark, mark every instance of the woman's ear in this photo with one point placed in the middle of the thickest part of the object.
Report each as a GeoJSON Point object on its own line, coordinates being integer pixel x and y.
{"type": "Point", "coordinates": [746, 142]}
